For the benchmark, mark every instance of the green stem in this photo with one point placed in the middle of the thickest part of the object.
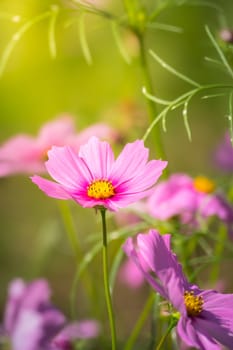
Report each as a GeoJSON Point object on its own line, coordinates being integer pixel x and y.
{"type": "Point", "coordinates": [106, 280]}
{"type": "Point", "coordinates": [151, 106]}
{"type": "Point", "coordinates": [173, 323]}
{"type": "Point", "coordinates": [140, 322]}
{"type": "Point", "coordinates": [137, 18]}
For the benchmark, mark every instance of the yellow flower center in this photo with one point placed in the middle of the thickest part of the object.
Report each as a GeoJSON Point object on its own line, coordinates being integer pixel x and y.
{"type": "Point", "coordinates": [203, 184]}
{"type": "Point", "coordinates": [100, 189]}
{"type": "Point", "coordinates": [193, 303]}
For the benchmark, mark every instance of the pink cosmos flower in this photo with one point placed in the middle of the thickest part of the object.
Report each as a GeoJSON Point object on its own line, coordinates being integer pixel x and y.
{"type": "Point", "coordinates": [190, 199]}
{"type": "Point", "coordinates": [224, 154]}
{"type": "Point", "coordinates": [94, 178]}
{"type": "Point", "coordinates": [32, 323]}
{"type": "Point", "coordinates": [206, 316]}
{"type": "Point", "coordinates": [26, 154]}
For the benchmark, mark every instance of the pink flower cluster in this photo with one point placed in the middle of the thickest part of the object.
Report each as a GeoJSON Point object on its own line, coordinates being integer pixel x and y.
{"type": "Point", "coordinates": [193, 200]}
{"type": "Point", "coordinates": [89, 174]}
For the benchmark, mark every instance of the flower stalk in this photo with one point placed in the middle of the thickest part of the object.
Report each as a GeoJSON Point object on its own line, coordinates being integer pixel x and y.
{"type": "Point", "coordinates": [106, 279]}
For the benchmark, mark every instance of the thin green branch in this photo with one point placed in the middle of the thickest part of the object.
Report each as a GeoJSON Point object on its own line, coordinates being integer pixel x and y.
{"type": "Point", "coordinates": [165, 27]}
{"type": "Point", "coordinates": [119, 44]}
{"type": "Point", "coordinates": [154, 98]}
{"type": "Point", "coordinates": [90, 8]}
{"type": "Point", "coordinates": [164, 112]}
{"type": "Point", "coordinates": [51, 31]}
{"type": "Point", "coordinates": [17, 36]}
{"type": "Point", "coordinates": [162, 6]}
{"type": "Point", "coordinates": [203, 3]}
{"type": "Point", "coordinates": [181, 100]}
{"type": "Point", "coordinates": [219, 51]}
{"type": "Point", "coordinates": [83, 39]}
{"type": "Point", "coordinates": [213, 60]}
{"type": "Point", "coordinates": [185, 116]}
{"type": "Point", "coordinates": [173, 70]}
{"type": "Point", "coordinates": [212, 96]}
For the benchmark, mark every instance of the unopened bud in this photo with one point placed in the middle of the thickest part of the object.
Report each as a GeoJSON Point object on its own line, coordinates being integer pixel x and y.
{"type": "Point", "coordinates": [226, 35]}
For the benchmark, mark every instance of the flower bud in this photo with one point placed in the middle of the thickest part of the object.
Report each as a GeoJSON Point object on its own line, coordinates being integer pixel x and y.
{"type": "Point", "coordinates": [226, 35]}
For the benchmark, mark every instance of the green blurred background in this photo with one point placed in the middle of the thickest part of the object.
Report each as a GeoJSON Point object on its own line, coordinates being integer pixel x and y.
{"type": "Point", "coordinates": [35, 88]}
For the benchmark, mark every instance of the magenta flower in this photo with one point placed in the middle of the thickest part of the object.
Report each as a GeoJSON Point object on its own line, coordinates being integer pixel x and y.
{"type": "Point", "coordinates": [94, 178]}
{"type": "Point", "coordinates": [32, 323]}
{"type": "Point", "coordinates": [224, 154]}
{"type": "Point", "coordinates": [191, 199]}
{"type": "Point", "coordinates": [26, 154]}
{"type": "Point", "coordinates": [206, 316]}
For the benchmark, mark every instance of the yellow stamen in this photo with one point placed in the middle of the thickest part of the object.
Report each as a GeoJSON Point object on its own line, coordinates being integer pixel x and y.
{"type": "Point", "coordinates": [193, 303]}
{"type": "Point", "coordinates": [100, 189]}
{"type": "Point", "coordinates": [203, 184]}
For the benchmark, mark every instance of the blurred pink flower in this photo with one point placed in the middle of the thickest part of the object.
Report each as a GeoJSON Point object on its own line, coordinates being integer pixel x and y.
{"type": "Point", "coordinates": [191, 199]}
{"type": "Point", "coordinates": [131, 215]}
{"type": "Point", "coordinates": [32, 323]}
{"type": "Point", "coordinates": [94, 178]}
{"type": "Point", "coordinates": [26, 154]}
{"type": "Point", "coordinates": [131, 275]}
{"type": "Point", "coordinates": [224, 154]}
